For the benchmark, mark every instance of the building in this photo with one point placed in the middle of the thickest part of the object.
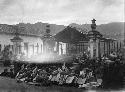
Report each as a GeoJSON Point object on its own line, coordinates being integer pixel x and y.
{"type": "Point", "coordinates": [31, 43]}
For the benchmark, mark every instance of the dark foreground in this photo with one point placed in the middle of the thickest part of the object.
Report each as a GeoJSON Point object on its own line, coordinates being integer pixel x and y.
{"type": "Point", "coordinates": [10, 85]}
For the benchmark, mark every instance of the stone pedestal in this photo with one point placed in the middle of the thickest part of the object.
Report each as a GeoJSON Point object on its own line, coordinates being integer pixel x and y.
{"type": "Point", "coordinates": [94, 48]}
{"type": "Point", "coordinates": [91, 48]}
{"type": "Point", "coordinates": [94, 40]}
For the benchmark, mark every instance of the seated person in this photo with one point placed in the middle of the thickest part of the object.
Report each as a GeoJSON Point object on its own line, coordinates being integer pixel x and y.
{"type": "Point", "coordinates": [11, 73]}
{"type": "Point", "coordinates": [4, 73]}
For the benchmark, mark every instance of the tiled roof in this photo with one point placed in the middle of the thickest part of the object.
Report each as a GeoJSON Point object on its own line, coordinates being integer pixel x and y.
{"type": "Point", "coordinates": [70, 35]}
{"type": "Point", "coordinates": [9, 29]}
{"type": "Point", "coordinates": [37, 29]}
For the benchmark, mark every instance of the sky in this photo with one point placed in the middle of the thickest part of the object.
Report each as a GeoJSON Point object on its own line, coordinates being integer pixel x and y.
{"type": "Point", "coordinates": [61, 12]}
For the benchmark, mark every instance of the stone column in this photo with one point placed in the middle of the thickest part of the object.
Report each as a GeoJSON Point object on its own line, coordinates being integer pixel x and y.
{"type": "Point", "coordinates": [41, 48]}
{"type": "Point", "coordinates": [97, 48]}
{"type": "Point", "coordinates": [57, 48]}
{"type": "Point", "coordinates": [91, 48]}
{"type": "Point", "coordinates": [15, 48]}
{"type": "Point", "coordinates": [33, 49]}
{"type": "Point", "coordinates": [44, 47]}
{"type": "Point", "coordinates": [37, 47]}
{"type": "Point", "coordinates": [94, 48]}
{"type": "Point", "coordinates": [104, 47]}
{"type": "Point", "coordinates": [94, 37]}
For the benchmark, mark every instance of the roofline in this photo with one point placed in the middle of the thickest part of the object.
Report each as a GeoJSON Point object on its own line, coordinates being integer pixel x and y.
{"type": "Point", "coordinates": [32, 35]}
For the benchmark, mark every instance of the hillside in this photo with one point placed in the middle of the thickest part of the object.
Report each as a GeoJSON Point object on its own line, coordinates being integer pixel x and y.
{"type": "Point", "coordinates": [112, 30]}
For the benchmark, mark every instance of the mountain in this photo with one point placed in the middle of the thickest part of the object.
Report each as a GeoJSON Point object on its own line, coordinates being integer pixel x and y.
{"type": "Point", "coordinates": [113, 30]}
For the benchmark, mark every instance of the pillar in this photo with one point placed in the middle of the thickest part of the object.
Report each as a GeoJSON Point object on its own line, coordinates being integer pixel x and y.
{"type": "Point", "coordinates": [91, 48]}
{"type": "Point", "coordinates": [15, 48]}
{"type": "Point", "coordinates": [44, 46]}
{"type": "Point", "coordinates": [57, 48]}
{"type": "Point", "coordinates": [61, 49]}
{"type": "Point", "coordinates": [33, 49]}
{"type": "Point", "coordinates": [109, 48]}
{"type": "Point", "coordinates": [97, 48]}
{"type": "Point", "coordinates": [37, 48]}
{"type": "Point", "coordinates": [104, 47]}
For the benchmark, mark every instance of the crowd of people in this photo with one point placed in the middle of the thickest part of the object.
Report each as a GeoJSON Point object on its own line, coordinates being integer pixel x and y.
{"type": "Point", "coordinates": [82, 72]}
